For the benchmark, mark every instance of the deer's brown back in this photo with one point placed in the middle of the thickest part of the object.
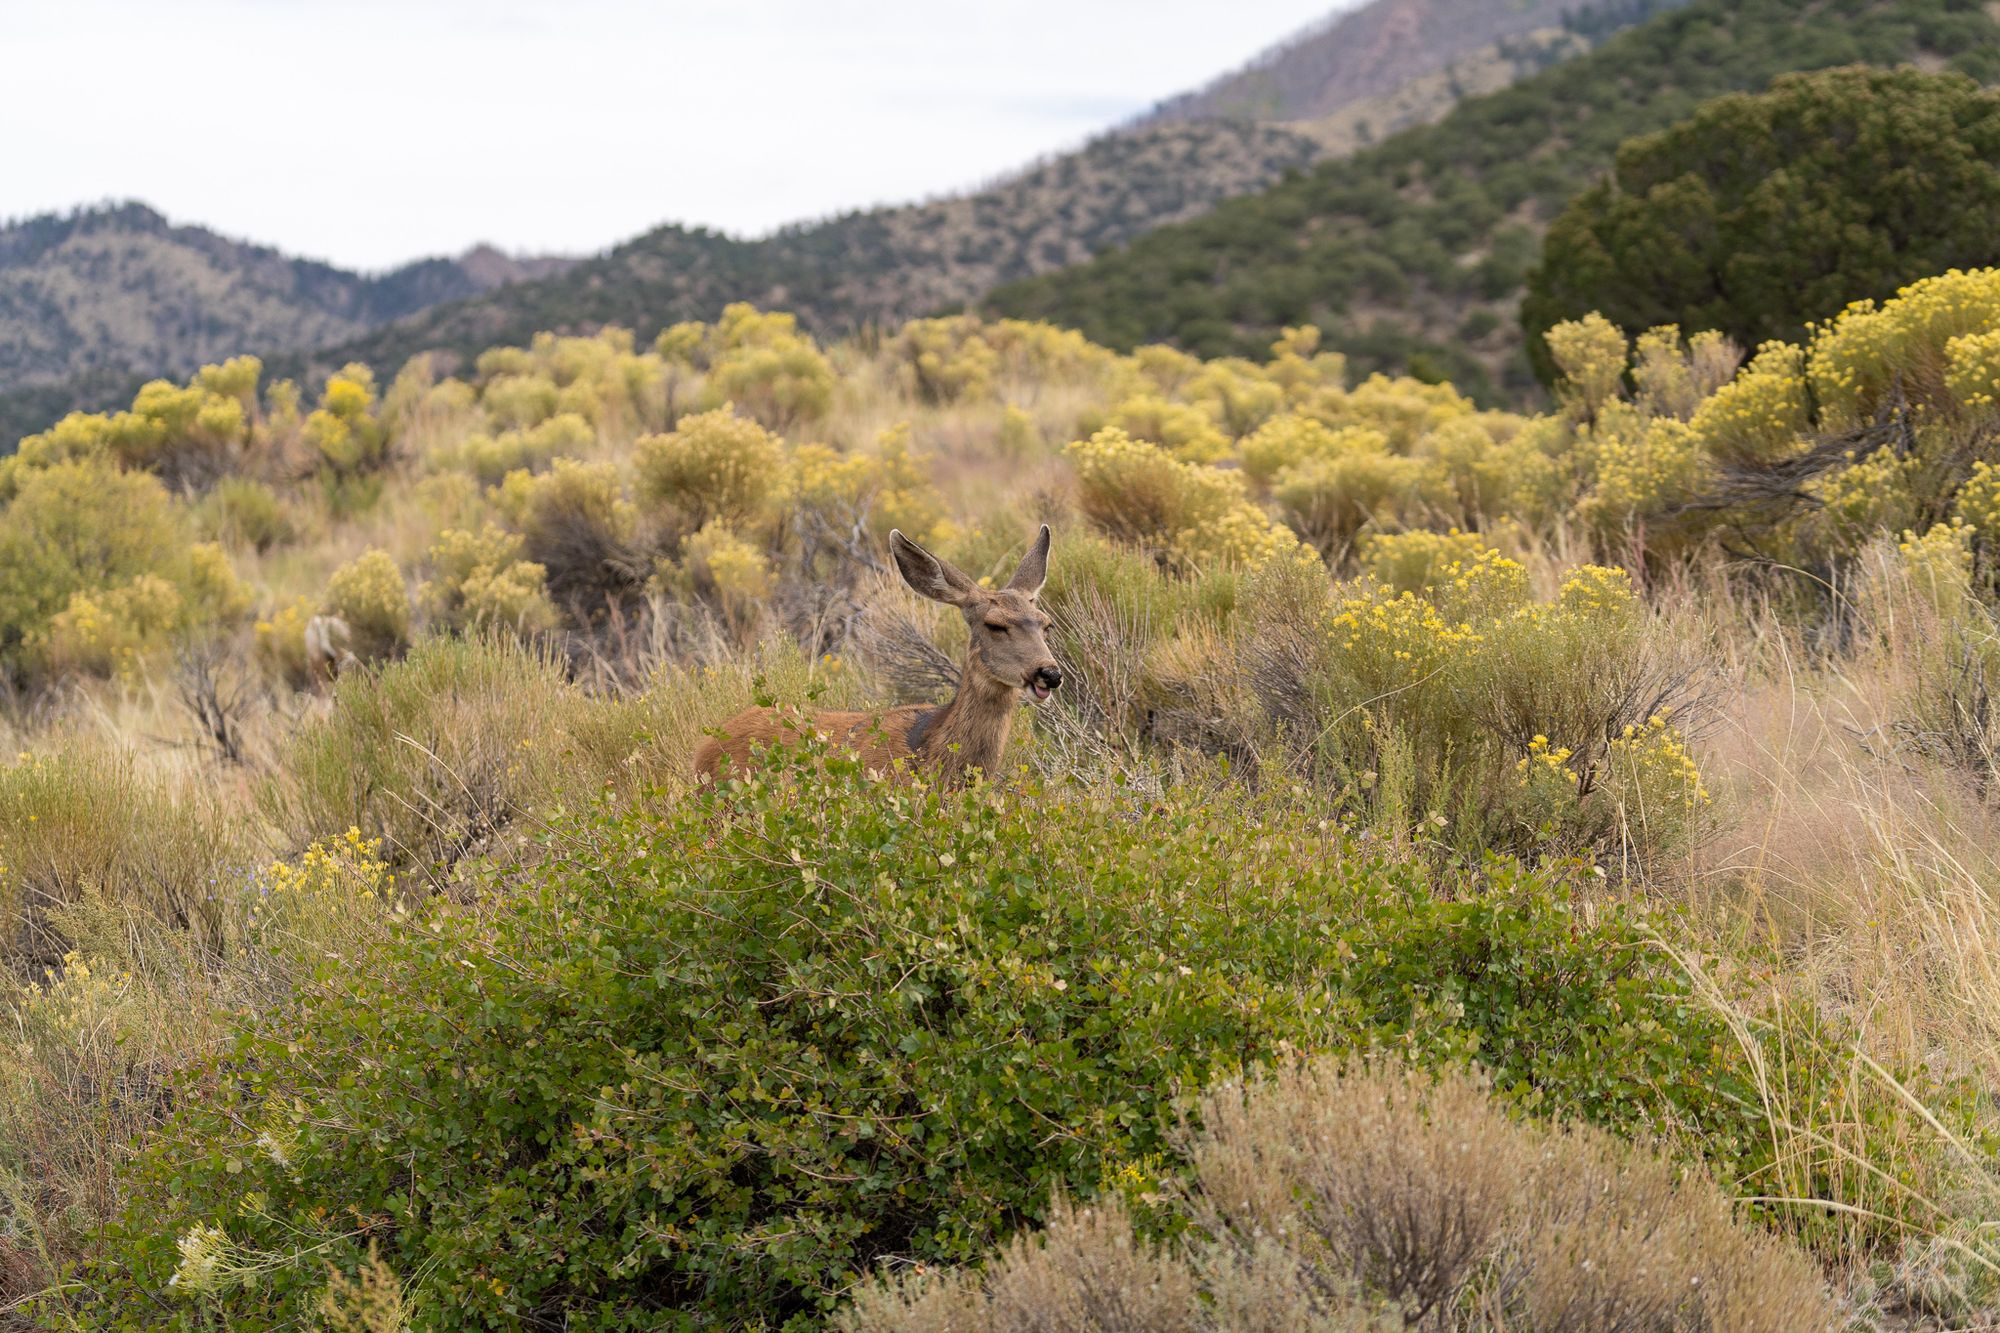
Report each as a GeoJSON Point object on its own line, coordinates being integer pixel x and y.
{"type": "Point", "coordinates": [879, 736]}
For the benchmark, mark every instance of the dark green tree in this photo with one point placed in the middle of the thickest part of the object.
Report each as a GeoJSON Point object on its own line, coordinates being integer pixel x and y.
{"type": "Point", "coordinates": [1762, 212]}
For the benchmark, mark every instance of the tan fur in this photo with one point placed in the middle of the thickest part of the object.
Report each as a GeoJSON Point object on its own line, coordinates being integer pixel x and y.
{"type": "Point", "coordinates": [1006, 651]}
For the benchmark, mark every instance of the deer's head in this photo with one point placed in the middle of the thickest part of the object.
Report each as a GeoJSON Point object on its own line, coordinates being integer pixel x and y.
{"type": "Point", "coordinates": [1009, 633]}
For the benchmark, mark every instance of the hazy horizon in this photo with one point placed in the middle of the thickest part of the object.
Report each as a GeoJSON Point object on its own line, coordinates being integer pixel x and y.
{"type": "Point", "coordinates": [370, 134]}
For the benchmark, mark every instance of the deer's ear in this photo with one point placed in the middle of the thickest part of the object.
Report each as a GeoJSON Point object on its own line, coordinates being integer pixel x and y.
{"type": "Point", "coordinates": [926, 574]}
{"type": "Point", "coordinates": [1034, 568]}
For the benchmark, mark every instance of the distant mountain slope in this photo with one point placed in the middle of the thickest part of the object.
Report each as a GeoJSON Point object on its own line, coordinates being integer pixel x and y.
{"type": "Point", "coordinates": [879, 266]}
{"type": "Point", "coordinates": [886, 264]}
{"type": "Point", "coordinates": [1370, 51]}
{"type": "Point", "coordinates": [1413, 253]}
{"type": "Point", "coordinates": [120, 289]}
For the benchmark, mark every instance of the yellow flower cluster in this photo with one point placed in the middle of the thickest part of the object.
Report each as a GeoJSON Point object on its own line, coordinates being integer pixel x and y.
{"type": "Point", "coordinates": [1187, 432]}
{"type": "Point", "coordinates": [1417, 561]}
{"type": "Point", "coordinates": [1136, 491]}
{"type": "Point", "coordinates": [1544, 759]}
{"type": "Point", "coordinates": [1590, 357]}
{"type": "Point", "coordinates": [883, 488]}
{"type": "Point", "coordinates": [714, 465]}
{"type": "Point", "coordinates": [1597, 591]}
{"type": "Point", "coordinates": [1869, 496]}
{"type": "Point", "coordinates": [1653, 774]}
{"type": "Point", "coordinates": [1978, 503]}
{"type": "Point", "coordinates": [1939, 563]}
{"type": "Point", "coordinates": [717, 562]}
{"type": "Point", "coordinates": [1641, 468]}
{"type": "Point", "coordinates": [1905, 341]}
{"type": "Point", "coordinates": [344, 430]}
{"type": "Point", "coordinates": [1759, 416]}
{"type": "Point", "coordinates": [1973, 373]}
{"type": "Point", "coordinates": [1291, 439]}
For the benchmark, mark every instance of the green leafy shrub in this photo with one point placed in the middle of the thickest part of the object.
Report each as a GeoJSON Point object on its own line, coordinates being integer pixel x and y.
{"type": "Point", "coordinates": [1808, 210]}
{"type": "Point", "coordinates": [815, 1020]}
{"type": "Point", "coordinates": [368, 593]}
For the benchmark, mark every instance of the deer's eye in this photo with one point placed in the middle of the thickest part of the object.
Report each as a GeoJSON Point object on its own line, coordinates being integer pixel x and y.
{"type": "Point", "coordinates": [997, 629]}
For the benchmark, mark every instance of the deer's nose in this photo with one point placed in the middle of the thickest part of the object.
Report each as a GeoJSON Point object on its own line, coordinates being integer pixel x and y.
{"type": "Point", "coordinates": [1048, 677]}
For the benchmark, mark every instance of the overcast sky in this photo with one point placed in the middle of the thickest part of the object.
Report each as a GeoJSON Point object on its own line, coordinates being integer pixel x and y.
{"type": "Point", "coordinates": [369, 132]}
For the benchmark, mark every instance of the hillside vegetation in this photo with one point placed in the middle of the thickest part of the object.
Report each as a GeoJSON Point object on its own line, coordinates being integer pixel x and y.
{"type": "Point", "coordinates": [105, 299]}
{"type": "Point", "coordinates": [120, 290]}
{"type": "Point", "coordinates": [435, 994]}
{"type": "Point", "coordinates": [1414, 253]}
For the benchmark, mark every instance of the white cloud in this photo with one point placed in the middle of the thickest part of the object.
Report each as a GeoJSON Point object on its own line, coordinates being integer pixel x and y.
{"type": "Point", "coordinates": [375, 131]}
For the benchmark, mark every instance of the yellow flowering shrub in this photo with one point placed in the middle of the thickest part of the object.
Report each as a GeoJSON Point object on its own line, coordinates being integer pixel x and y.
{"type": "Point", "coordinates": [1652, 784]}
{"type": "Point", "coordinates": [1857, 502]}
{"type": "Point", "coordinates": [1185, 431]}
{"type": "Point", "coordinates": [1672, 379]}
{"type": "Point", "coordinates": [1138, 492]}
{"type": "Point", "coordinates": [519, 400]}
{"type": "Point", "coordinates": [576, 524]}
{"type": "Point", "coordinates": [887, 487]}
{"type": "Point", "coordinates": [332, 898]}
{"type": "Point", "coordinates": [1289, 439]}
{"type": "Point", "coordinates": [760, 362]}
{"type": "Point", "coordinates": [1977, 503]}
{"type": "Point", "coordinates": [1299, 368]}
{"type": "Point", "coordinates": [1973, 371]}
{"type": "Point", "coordinates": [279, 641]}
{"type": "Point", "coordinates": [482, 580]}
{"type": "Point", "coordinates": [945, 360]}
{"type": "Point", "coordinates": [1329, 500]}
{"type": "Point", "coordinates": [1236, 394]}
{"type": "Point", "coordinates": [1938, 565]}
{"type": "Point", "coordinates": [716, 465]}
{"type": "Point", "coordinates": [1240, 538]}
{"type": "Point", "coordinates": [720, 568]}
{"type": "Point", "coordinates": [1905, 343]}
{"type": "Point", "coordinates": [1402, 409]}
{"type": "Point", "coordinates": [1760, 416]}
{"type": "Point", "coordinates": [115, 630]}
{"type": "Point", "coordinates": [1641, 467]}
{"type": "Point", "coordinates": [368, 594]}
{"type": "Point", "coordinates": [489, 458]}
{"type": "Point", "coordinates": [1471, 702]}
{"type": "Point", "coordinates": [1165, 368]}
{"type": "Point", "coordinates": [1589, 354]}
{"type": "Point", "coordinates": [344, 432]}
{"type": "Point", "coordinates": [1419, 560]}
{"type": "Point", "coordinates": [1491, 466]}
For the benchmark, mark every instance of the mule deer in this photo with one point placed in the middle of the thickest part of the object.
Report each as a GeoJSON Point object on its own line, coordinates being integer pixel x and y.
{"type": "Point", "coordinates": [1006, 659]}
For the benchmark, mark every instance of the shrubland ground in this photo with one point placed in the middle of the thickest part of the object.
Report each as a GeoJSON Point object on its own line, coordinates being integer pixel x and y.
{"type": "Point", "coordinates": [1610, 785]}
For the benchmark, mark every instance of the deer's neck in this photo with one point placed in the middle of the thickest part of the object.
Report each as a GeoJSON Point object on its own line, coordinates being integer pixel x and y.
{"type": "Point", "coordinates": [971, 731]}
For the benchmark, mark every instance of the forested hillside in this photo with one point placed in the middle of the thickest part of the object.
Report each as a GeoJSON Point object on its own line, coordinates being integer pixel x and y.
{"type": "Point", "coordinates": [1413, 254]}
